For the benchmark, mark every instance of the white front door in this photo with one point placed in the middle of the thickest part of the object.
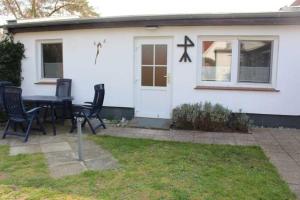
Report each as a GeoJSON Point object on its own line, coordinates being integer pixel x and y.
{"type": "Point", "coordinates": [153, 78]}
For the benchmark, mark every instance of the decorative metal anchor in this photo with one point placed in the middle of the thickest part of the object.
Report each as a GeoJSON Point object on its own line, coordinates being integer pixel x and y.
{"type": "Point", "coordinates": [187, 43]}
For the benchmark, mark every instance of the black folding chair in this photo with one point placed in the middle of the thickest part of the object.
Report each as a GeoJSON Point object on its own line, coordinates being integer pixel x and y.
{"type": "Point", "coordinates": [92, 110]}
{"type": "Point", "coordinates": [15, 111]}
{"type": "Point", "coordinates": [63, 89]}
{"type": "Point", "coordinates": [2, 85]}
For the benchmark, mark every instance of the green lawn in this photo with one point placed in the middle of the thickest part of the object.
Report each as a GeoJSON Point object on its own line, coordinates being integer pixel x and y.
{"type": "Point", "coordinates": [150, 170]}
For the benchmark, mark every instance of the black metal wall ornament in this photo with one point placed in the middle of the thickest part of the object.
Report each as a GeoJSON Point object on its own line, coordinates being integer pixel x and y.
{"type": "Point", "coordinates": [99, 46]}
{"type": "Point", "coordinates": [187, 43]}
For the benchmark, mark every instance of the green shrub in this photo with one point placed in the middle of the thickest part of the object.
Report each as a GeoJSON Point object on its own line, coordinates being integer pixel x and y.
{"type": "Point", "coordinates": [239, 122]}
{"type": "Point", "coordinates": [209, 117]}
{"type": "Point", "coordinates": [11, 55]}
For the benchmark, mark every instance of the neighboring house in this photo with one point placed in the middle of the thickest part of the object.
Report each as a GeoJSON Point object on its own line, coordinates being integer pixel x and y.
{"type": "Point", "coordinates": [247, 61]}
{"type": "Point", "coordinates": [295, 6]}
{"type": "Point", "coordinates": [296, 3]}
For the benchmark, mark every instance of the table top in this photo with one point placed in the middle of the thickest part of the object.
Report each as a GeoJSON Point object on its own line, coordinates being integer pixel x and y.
{"type": "Point", "coordinates": [42, 98]}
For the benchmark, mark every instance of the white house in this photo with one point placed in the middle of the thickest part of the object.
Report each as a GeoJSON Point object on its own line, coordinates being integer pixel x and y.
{"type": "Point", "coordinates": [151, 64]}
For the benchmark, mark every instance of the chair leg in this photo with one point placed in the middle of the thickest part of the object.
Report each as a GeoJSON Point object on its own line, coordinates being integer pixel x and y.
{"type": "Point", "coordinates": [6, 129]}
{"type": "Point", "coordinates": [28, 130]}
{"type": "Point", "coordinates": [55, 114]}
{"type": "Point", "coordinates": [83, 123]}
{"type": "Point", "coordinates": [53, 118]}
{"type": "Point", "coordinates": [73, 127]}
{"type": "Point", "coordinates": [101, 121]}
{"type": "Point", "coordinates": [64, 112]}
{"type": "Point", "coordinates": [15, 127]}
{"type": "Point", "coordinates": [41, 125]}
{"type": "Point", "coordinates": [45, 114]}
{"type": "Point", "coordinates": [70, 108]}
{"type": "Point", "coordinates": [90, 125]}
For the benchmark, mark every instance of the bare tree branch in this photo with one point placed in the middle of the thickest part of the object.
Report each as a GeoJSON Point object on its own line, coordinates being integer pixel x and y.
{"type": "Point", "coordinates": [19, 9]}
{"type": "Point", "coordinates": [9, 7]}
{"type": "Point", "coordinates": [22, 9]}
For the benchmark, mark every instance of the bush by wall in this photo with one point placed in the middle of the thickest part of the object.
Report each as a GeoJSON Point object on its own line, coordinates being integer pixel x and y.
{"type": "Point", "coordinates": [11, 55]}
{"type": "Point", "coordinates": [209, 117]}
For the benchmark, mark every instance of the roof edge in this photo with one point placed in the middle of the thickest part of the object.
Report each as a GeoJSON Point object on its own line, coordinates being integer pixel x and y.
{"type": "Point", "coordinates": [225, 19]}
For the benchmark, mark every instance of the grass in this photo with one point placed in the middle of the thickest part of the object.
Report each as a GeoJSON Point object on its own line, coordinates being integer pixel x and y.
{"type": "Point", "coordinates": [150, 170]}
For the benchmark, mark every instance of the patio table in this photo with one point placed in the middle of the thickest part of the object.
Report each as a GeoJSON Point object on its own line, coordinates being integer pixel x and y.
{"type": "Point", "coordinates": [51, 101]}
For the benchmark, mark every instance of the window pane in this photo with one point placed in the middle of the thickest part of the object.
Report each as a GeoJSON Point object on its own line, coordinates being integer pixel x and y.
{"type": "Point", "coordinates": [255, 61]}
{"type": "Point", "coordinates": [52, 60]}
{"type": "Point", "coordinates": [161, 54]}
{"type": "Point", "coordinates": [147, 76]}
{"type": "Point", "coordinates": [160, 76]}
{"type": "Point", "coordinates": [147, 54]}
{"type": "Point", "coordinates": [216, 63]}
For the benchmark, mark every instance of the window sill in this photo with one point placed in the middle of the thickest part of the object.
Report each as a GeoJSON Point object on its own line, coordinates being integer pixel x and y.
{"type": "Point", "coordinates": [46, 83]}
{"type": "Point", "coordinates": [254, 89]}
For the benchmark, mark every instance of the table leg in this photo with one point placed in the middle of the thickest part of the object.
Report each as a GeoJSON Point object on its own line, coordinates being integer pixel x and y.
{"type": "Point", "coordinates": [64, 112]}
{"type": "Point", "coordinates": [71, 113]}
{"type": "Point", "coordinates": [53, 118]}
{"type": "Point", "coordinates": [38, 113]}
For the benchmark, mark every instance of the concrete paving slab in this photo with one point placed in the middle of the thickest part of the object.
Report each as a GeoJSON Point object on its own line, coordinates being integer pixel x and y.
{"type": "Point", "coordinates": [67, 169]}
{"type": "Point", "coordinates": [203, 139]}
{"type": "Point", "coordinates": [60, 157]}
{"type": "Point", "coordinates": [153, 123]}
{"type": "Point", "coordinates": [296, 189]}
{"type": "Point", "coordinates": [96, 153]}
{"type": "Point", "coordinates": [54, 147]}
{"type": "Point", "coordinates": [274, 148]}
{"type": "Point", "coordinates": [51, 139]}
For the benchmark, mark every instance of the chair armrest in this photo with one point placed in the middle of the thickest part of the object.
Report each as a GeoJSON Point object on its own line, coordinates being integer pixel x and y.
{"type": "Point", "coordinates": [33, 110]}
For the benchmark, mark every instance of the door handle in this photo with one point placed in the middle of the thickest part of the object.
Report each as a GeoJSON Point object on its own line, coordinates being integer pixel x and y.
{"type": "Point", "coordinates": [168, 77]}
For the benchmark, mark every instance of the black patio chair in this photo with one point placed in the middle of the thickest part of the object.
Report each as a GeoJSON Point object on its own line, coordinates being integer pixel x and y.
{"type": "Point", "coordinates": [91, 110]}
{"type": "Point", "coordinates": [63, 89]}
{"type": "Point", "coordinates": [2, 85]}
{"type": "Point", "coordinates": [16, 113]}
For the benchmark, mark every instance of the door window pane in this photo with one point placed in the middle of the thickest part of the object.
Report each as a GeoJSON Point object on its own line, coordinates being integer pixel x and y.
{"type": "Point", "coordinates": [147, 76]}
{"type": "Point", "coordinates": [154, 65]}
{"type": "Point", "coordinates": [216, 60]}
{"type": "Point", "coordinates": [255, 61]}
{"type": "Point", "coordinates": [147, 54]}
{"type": "Point", "coordinates": [160, 76]}
{"type": "Point", "coordinates": [161, 54]}
{"type": "Point", "coordinates": [52, 58]}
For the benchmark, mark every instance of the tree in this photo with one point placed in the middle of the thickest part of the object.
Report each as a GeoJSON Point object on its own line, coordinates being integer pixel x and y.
{"type": "Point", "coordinates": [26, 9]}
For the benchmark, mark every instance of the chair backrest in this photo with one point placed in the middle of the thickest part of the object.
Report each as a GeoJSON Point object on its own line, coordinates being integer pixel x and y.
{"type": "Point", "coordinates": [2, 85]}
{"type": "Point", "coordinates": [98, 98]}
{"type": "Point", "coordinates": [13, 103]}
{"type": "Point", "coordinates": [63, 87]}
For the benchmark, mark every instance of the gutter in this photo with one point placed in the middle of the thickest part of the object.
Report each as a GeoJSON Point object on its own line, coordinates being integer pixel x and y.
{"type": "Point", "coordinates": [229, 19]}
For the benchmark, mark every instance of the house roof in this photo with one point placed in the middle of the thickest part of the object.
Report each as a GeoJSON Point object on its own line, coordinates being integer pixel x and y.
{"type": "Point", "coordinates": [229, 19]}
{"type": "Point", "coordinates": [296, 3]}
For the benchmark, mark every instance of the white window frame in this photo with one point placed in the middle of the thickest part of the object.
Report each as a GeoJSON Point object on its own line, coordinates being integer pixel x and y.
{"type": "Point", "coordinates": [39, 60]}
{"type": "Point", "coordinates": [235, 62]}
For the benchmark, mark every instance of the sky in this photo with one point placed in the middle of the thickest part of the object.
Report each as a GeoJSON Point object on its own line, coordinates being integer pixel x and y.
{"type": "Point", "coordinates": [140, 7]}
{"type": "Point", "coordinates": [151, 7]}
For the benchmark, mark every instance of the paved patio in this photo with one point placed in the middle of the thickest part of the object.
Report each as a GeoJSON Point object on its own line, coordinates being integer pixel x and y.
{"type": "Point", "coordinates": [61, 153]}
{"type": "Point", "coordinates": [282, 146]}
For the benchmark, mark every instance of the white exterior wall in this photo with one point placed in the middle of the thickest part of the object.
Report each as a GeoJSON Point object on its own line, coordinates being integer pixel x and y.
{"type": "Point", "coordinates": [115, 66]}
